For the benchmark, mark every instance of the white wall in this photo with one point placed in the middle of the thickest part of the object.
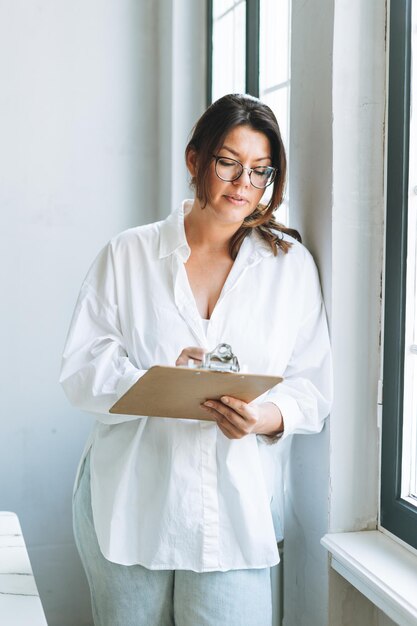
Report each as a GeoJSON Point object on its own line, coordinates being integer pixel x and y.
{"type": "Point", "coordinates": [337, 201]}
{"type": "Point", "coordinates": [358, 217]}
{"type": "Point", "coordinates": [359, 103]}
{"type": "Point", "coordinates": [306, 519]}
{"type": "Point", "coordinates": [81, 129]}
{"type": "Point", "coordinates": [182, 52]}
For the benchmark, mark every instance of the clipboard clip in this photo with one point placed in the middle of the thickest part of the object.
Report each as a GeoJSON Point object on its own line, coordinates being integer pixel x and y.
{"type": "Point", "coordinates": [221, 359]}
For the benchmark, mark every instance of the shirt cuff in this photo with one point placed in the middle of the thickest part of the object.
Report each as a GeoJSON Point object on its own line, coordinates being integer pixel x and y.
{"type": "Point", "coordinates": [123, 385]}
{"type": "Point", "coordinates": [291, 415]}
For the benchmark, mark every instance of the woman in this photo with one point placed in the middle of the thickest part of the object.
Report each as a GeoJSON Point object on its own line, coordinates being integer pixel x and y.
{"type": "Point", "coordinates": [173, 517]}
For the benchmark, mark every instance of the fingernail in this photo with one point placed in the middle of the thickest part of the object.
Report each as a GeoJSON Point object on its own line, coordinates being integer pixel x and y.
{"type": "Point", "coordinates": [210, 404]}
{"type": "Point", "coordinates": [225, 400]}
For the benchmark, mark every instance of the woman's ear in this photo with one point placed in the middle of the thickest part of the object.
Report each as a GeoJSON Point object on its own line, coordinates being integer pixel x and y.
{"type": "Point", "coordinates": [191, 162]}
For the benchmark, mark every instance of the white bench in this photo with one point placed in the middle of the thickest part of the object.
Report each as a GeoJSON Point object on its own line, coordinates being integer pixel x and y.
{"type": "Point", "coordinates": [20, 604]}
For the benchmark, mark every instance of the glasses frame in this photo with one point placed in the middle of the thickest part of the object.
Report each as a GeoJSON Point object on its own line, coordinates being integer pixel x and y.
{"type": "Point", "coordinates": [217, 158]}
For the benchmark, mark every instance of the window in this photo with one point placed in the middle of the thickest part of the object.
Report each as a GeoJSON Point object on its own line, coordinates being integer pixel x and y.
{"type": "Point", "coordinates": [249, 51]}
{"type": "Point", "coordinates": [399, 418]}
{"type": "Point", "coordinates": [274, 60]}
{"type": "Point", "coordinates": [228, 48]}
{"type": "Point", "coordinates": [409, 466]}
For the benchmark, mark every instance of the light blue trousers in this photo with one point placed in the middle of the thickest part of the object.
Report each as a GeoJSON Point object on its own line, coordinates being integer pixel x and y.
{"type": "Point", "coordinates": [132, 595]}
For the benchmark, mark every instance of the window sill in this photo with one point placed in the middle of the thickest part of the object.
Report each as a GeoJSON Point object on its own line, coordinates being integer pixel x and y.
{"type": "Point", "coordinates": [381, 569]}
{"type": "Point", "coordinates": [19, 597]}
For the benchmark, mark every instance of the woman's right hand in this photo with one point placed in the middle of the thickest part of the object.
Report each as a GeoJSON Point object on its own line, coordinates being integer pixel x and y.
{"type": "Point", "coordinates": [193, 353]}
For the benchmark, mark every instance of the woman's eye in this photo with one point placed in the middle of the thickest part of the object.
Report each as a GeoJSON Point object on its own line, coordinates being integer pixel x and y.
{"type": "Point", "coordinates": [225, 163]}
{"type": "Point", "coordinates": [262, 172]}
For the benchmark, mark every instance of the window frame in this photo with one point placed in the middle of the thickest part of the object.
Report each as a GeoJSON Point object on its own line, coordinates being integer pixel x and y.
{"type": "Point", "coordinates": [253, 12]}
{"type": "Point", "coordinates": [397, 515]}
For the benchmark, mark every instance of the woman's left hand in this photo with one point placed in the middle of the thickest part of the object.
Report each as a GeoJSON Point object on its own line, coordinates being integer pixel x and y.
{"type": "Point", "coordinates": [236, 418]}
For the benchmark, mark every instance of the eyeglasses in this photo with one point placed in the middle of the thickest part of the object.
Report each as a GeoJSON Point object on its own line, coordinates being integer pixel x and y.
{"type": "Point", "coordinates": [230, 170]}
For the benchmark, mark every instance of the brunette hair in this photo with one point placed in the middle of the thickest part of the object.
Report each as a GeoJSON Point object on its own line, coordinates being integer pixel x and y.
{"type": "Point", "coordinates": [207, 137]}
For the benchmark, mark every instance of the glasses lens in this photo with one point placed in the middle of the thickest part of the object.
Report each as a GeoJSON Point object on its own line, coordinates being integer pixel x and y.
{"type": "Point", "coordinates": [261, 177]}
{"type": "Point", "coordinates": [228, 169]}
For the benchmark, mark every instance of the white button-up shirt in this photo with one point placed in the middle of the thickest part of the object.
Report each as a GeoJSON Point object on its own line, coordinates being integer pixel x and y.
{"type": "Point", "coordinates": [177, 494]}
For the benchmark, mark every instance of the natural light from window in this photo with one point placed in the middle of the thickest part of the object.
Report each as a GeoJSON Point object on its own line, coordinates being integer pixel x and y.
{"type": "Point", "coordinates": [274, 70]}
{"type": "Point", "coordinates": [229, 47]}
{"type": "Point", "coordinates": [409, 468]}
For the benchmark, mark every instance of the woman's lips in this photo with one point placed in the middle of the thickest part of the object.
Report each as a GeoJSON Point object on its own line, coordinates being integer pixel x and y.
{"type": "Point", "coordinates": [236, 200]}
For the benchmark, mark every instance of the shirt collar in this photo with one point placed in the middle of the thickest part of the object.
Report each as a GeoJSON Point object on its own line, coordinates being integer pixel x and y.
{"type": "Point", "coordinates": [172, 233]}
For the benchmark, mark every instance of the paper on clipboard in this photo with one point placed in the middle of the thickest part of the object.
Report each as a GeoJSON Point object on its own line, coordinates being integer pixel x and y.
{"type": "Point", "coordinates": [179, 391]}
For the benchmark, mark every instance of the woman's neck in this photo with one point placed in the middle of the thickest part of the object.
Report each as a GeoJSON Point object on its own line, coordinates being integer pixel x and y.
{"type": "Point", "coordinates": [205, 232]}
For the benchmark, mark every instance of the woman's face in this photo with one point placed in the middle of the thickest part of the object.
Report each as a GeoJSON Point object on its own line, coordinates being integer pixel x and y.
{"type": "Point", "coordinates": [232, 201]}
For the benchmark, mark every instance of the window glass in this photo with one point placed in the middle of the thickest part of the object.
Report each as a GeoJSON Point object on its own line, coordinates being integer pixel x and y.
{"type": "Point", "coordinates": [229, 47]}
{"type": "Point", "coordinates": [274, 70]}
{"type": "Point", "coordinates": [409, 465]}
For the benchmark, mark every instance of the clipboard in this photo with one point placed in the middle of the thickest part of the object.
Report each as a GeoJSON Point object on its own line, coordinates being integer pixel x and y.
{"type": "Point", "coordinates": [179, 391]}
